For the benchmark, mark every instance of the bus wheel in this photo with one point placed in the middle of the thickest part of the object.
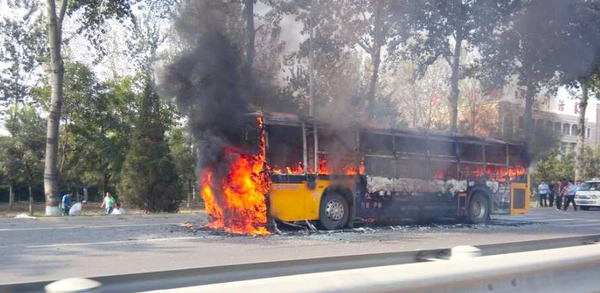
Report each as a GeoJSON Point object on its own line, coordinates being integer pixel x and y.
{"type": "Point", "coordinates": [334, 211]}
{"type": "Point", "coordinates": [479, 209]}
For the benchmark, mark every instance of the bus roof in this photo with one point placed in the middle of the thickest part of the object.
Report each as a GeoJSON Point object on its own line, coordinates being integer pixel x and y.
{"type": "Point", "coordinates": [287, 119]}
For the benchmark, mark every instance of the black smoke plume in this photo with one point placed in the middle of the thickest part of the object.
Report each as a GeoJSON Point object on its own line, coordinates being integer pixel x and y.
{"type": "Point", "coordinates": [206, 80]}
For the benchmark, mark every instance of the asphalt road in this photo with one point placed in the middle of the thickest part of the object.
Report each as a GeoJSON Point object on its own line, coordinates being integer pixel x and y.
{"type": "Point", "coordinates": [56, 248]}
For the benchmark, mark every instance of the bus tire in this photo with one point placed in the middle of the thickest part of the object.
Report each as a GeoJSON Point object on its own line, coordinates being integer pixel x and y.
{"type": "Point", "coordinates": [479, 209]}
{"type": "Point", "coordinates": [334, 211]}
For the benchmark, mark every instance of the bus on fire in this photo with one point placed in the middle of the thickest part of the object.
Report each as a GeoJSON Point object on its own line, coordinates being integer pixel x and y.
{"type": "Point", "coordinates": [339, 175]}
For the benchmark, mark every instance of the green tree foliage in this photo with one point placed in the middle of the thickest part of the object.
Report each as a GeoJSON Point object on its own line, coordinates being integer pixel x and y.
{"type": "Point", "coordinates": [93, 15]}
{"type": "Point", "coordinates": [557, 166]}
{"type": "Point", "coordinates": [149, 178]}
{"type": "Point", "coordinates": [22, 152]}
{"type": "Point", "coordinates": [22, 49]}
{"type": "Point", "coordinates": [185, 160]}
{"type": "Point", "coordinates": [97, 122]}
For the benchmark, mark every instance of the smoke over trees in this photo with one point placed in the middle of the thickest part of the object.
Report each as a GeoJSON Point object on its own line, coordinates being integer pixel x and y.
{"type": "Point", "coordinates": [390, 63]}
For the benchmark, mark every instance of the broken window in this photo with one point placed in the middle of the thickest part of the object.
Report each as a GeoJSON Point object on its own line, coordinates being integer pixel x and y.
{"type": "Point", "coordinates": [284, 147]}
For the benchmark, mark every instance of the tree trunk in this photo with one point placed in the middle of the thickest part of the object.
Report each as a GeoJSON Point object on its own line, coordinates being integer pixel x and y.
{"type": "Point", "coordinates": [579, 164]}
{"type": "Point", "coordinates": [30, 201]}
{"type": "Point", "coordinates": [189, 194]}
{"type": "Point", "coordinates": [11, 197]}
{"type": "Point", "coordinates": [250, 48]}
{"type": "Point", "coordinates": [85, 194]}
{"type": "Point", "coordinates": [105, 183]}
{"type": "Point", "coordinates": [56, 82]}
{"type": "Point", "coordinates": [193, 191]}
{"type": "Point", "coordinates": [375, 59]}
{"type": "Point", "coordinates": [455, 92]}
{"type": "Point", "coordinates": [529, 95]}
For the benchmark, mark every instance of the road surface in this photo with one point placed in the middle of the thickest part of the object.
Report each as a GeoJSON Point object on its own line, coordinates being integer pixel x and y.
{"type": "Point", "coordinates": [57, 248]}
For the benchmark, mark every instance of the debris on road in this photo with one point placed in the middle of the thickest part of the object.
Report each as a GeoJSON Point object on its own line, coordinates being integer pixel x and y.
{"type": "Point", "coordinates": [25, 216]}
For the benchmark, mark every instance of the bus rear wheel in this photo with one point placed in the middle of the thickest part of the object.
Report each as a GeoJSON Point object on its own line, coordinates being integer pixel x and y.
{"type": "Point", "coordinates": [334, 211]}
{"type": "Point", "coordinates": [479, 209]}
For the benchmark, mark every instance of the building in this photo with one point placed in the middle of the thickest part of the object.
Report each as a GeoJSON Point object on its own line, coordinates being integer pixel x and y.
{"type": "Point", "coordinates": [558, 113]}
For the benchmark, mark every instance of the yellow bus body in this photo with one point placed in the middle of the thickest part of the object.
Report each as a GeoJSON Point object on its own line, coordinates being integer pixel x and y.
{"type": "Point", "coordinates": [297, 202]}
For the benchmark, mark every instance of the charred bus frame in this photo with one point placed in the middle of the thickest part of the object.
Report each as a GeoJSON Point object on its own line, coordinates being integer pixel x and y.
{"type": "Point", "coordinates": [388, 174]}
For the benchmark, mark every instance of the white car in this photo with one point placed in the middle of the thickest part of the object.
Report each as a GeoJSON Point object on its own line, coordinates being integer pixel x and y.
{"type": "Point", "coordinates": [588, 195]}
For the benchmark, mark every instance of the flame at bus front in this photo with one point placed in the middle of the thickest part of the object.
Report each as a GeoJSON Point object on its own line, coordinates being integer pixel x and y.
{"type": "Point", "coordinates": [238, 204]}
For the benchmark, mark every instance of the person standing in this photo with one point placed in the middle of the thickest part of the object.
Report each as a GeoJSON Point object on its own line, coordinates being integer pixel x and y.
{"type": "Point", "coordinates": [572, 189]}
{"type": "Point", "coordinates": [563, 189]}
{"type": "Point", "coordinates": [551, 193]}
{"type": "Point", "coordinates": [66, 202]}
{"type": "Point", "coordinates": [543, 192]}
{"type": "Point", "coordinates": [108, 202]}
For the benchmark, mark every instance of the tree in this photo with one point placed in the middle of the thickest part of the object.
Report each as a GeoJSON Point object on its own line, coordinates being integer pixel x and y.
{"type": "Point", "coordinates": [26, 146]}
{"type": "Point", "coordinates": [367, 24]}
{"type": "Point", "coordinates": [94, 13]}
{"type": "Point", "coordinates": [22, 49]}
{"type": "Point", "coordinates": [11, 159]}
{"type": "Point", "coordinates": [149, 178]}
{"type": "Point", "coordinates": [580, 62]}
{"type": "Point", "coordinates": [435, 29]}
{"type": "Point", "coordinates": [185, 163]}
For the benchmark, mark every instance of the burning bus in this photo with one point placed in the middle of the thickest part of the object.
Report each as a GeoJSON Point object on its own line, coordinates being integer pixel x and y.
{"type": "Point", "coordinates": [295, 169]}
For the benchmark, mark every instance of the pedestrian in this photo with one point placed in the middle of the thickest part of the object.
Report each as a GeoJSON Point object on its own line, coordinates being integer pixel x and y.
{"type": "Point", "coordinates": [572, 189]}
{"type": "Point", "coordinates": [543, 192]}
{"type": "Point", "coordinates": [563, 189]}
{"type": "Point", "coordinates": [108, 203]}
{"type": "Point", "coordinates": [66, 202]}
{"type": "Point", "coordinates": [552, 192]}
{"type": "Point", "coordinates": [118, 210]}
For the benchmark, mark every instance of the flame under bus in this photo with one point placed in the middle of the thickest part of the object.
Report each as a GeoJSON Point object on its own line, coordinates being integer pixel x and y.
{"type": "Point", "coordinates": [339, 175]}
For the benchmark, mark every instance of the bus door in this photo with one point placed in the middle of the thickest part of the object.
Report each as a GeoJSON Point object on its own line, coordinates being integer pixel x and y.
{"type": "Point", "coordinates": [512, 198]}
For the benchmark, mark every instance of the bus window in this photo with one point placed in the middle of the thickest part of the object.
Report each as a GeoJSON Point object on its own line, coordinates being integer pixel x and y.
{"type": "Point", "coordinates": [284, 149]}
{"type": "Point", "coordinates": [495, 154]}
{"type": "Point", "coordinates": [442, 148]}
{"type": "Point", "coordinates": [376, 166]}
{"type": "Point", "coordinates": [411, 146]}
{"type": "Point", "coordinates": [443, 170]}
{"type": "Point", "coordinates": [470, 152]}
{"type": "Point", "coordinates": [376, 143]}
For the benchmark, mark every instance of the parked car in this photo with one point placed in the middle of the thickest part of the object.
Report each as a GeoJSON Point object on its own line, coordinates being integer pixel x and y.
{"type": "Point", "coordinates": [588, 194]}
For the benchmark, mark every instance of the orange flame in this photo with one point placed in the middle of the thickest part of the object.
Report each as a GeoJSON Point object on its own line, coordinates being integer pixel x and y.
{"type": "Point", "coordinates": [242, 208]}
{"type": "Point", "coordinates": [324, 169]}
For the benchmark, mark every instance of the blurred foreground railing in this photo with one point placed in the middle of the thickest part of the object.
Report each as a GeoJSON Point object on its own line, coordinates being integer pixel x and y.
{"type": "Point", "coordinates": [572, 270]}
{"type": "Point", "coordinates": [551, 265]}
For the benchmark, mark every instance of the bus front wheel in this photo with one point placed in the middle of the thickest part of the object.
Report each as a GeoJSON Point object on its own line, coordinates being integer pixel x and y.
{"type": "Point", "coordinates": [334, 211]}
{"type": "Point", "coordinates": [479, 209]}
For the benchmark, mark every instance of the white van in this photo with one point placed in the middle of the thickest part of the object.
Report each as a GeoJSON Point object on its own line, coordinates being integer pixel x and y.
{"type": "Point", "coordinates": [588, 195]}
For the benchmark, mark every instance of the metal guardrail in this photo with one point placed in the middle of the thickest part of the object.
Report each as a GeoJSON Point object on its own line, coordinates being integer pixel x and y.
{"type": "Point", "coordinates": [573, 269]}
{"type": "Point", "coordinates": [235, 273]}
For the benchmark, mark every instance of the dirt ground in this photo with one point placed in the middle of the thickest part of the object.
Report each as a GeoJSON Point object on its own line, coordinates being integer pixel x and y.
{"type": "Point", "coordinates": [89, 209]}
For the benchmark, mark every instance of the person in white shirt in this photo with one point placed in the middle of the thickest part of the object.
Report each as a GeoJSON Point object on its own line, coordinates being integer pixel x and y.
{"type": "Point", "coordinates": [117, 210]}
{"type": "Point", "coordinates": [543, 192]}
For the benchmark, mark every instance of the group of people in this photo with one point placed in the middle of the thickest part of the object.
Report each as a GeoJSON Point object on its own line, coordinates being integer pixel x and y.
{"type": "Point", "coordinates": [110, 205]}
{"type": "Point", "coordinates": [561, 192]}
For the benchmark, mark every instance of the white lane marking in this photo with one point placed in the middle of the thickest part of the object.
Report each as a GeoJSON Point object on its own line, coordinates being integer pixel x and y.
{"type": "Point", "coordinates": [86, 227]}
{"type": "Point", "coordinates": [580, 225]}
{"type": "Point", "coordinates": [111, 242]}
{"type": "Point", "coordinates": [558, 220]}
